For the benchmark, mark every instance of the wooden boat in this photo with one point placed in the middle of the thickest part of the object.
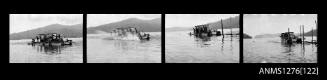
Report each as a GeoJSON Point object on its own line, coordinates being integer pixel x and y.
{"type": "Point", "coordinates": [204, 30]}
{"type": "Point", "coordinates": [50, 39]}
{"type": "Point", "coordinates": [289, 38]}
{"type": "Point", "coordinates": [144, 36]}
{"type": "Point", "coordinates": [129, 33]}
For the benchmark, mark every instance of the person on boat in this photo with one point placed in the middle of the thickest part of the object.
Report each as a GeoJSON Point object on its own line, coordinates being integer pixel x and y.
{"type": "Point", "coordinates": [204, 29]}
{"type": "Point", "coordinates": [41, 38]}
{"type": "Point", "coordinates": [57, 37]}
{"type": "Point", "coordinates": [37, 38]}
{"type": "Point", "coordinates": [129, 29]}
{"type": "Point", "coordinates": [54, 36]}
{"type": "Point", "coordinates": [33, 40]}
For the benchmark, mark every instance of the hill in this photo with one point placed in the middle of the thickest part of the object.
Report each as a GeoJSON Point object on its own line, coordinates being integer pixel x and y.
{"type": "Point", "coordinates": [310, 33]}
{"type": "Point", "coordinates": [267, 35]}
{"type": "Point", "coordinates": [178, 29]}
{"type": "Point", "coordinates": [72, 31]}
{"type": "Point", "coordinates": [153, 25]}
{"type": "Point", "coordinates": [227, 23]}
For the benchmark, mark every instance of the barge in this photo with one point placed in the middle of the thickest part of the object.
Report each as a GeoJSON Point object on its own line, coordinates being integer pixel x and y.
{"type": "Point", "coordinates": [50, 39]}
{"type": "Point", "coordinates": [129, 33]}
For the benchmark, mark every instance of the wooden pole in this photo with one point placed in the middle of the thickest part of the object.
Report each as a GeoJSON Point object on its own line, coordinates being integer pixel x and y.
{"type": "Point", "coordinates": [230, 23]}
{"type": "Point", "coordinates": [317, 31]}
{"type": "Point", "coordinates": [300, 31]}
{"type": "Point", "coordinates": [288, 32]}
{"type": "Point", "coordinates": [222, 28]}
{"type": "Point", "coordinates": [231, 31]}
{"type": "Point", "coordinates": [312, 35]}
{"type": "Point", "coordinates": [231, 34]}
{"type": "Point", "coordinates": [303, 34]}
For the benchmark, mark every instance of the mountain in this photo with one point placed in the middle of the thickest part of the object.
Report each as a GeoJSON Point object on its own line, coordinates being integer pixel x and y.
{"type": "Point", "coordinates": [178, 29]}
{"type": "Point", "coordinates": [228, 23]}
{"type": "Point", "coordinates": [267, 35]}
{"type": "Point", "coordinates": [71, 31]}
{"type": "Point", "coordinates": [246, 36]}
{"type": "Point", "coordinates": [153, 25]}
{"type": "Point", "coordinates": [310, 33]}
{"type": "Point", "coordinates": [232, 22]}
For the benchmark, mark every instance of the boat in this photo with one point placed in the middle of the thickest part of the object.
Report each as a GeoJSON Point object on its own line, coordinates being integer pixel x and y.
{"type": "Point", "coordinates": [129, 33]}
{"type": "Point", "coordinates": [204, 30]}
{"type": "Point", "coordinates": [289, 38]}
{"type": "Point", "coordinates": [50, 39]}
{"type": "Point", "coordinates": [144, 36]}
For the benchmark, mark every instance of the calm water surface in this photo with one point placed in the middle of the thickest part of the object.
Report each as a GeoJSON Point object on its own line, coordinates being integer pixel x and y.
{"type": "Point", "coordinates": [103, 49]}
{"type": "Point", "coordinates": [180, 47]}
{"type": "Point", "coordinates": [20, 52]}
{"type": "Point", "coordinates": [271, 50]}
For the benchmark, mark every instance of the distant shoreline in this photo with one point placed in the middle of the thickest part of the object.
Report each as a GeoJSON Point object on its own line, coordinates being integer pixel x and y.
{"type": "Point", "coordinates": [64, 38]}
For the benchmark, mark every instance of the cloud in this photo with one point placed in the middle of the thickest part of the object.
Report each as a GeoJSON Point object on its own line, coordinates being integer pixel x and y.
{"type": "Point", "coordinates": [23, 22]}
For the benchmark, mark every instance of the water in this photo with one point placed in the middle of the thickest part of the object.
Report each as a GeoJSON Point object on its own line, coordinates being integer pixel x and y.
{"type": "Point", "coordinates": [183, 48]}
{"type": "Point", "coordinates": [20, 52]}
{"type": "Point", "coordinates": [271, 50]}
{"type": "Point", "coordinates": [102, 49]}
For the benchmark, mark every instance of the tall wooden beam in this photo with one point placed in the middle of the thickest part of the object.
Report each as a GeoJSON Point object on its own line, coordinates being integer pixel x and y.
{"type": "Point", "coordinates": [222, 28]}
{"type": "Point", "coordinates": [303, 35]}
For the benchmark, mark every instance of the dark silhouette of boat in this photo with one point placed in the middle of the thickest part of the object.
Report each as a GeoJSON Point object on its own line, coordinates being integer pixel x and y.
{"type": "Point", "coordinates": [289, 38]}
{"type": "Point", "coordinates": [50, 39]}
{"type": "Point", "coordinates": [130, 33]}
{"type": "Point", "coordinates": [204, 30]}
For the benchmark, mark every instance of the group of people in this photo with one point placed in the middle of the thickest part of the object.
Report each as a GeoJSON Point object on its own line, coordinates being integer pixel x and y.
{"type": "Point", "coordinates": [124, 31]}
{"type": "Point", "coordinates": [201, 29]}
{"type": "Point", "coordinates": [289, 37]}
{"type": "Point", "coordinates": [47, 38]}
{"type": "Point", "coordinates": [129, 32]}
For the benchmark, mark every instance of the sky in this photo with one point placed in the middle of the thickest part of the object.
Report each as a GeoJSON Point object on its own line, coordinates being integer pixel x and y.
{"type": "Point", "coordinates": [257, 24]}
{"type": "Point", "coordinates": [24, 22]}
{"type": "Point", "coordinates": [100, 19]}
{"type": "Point", "coordinates": [190, 20]}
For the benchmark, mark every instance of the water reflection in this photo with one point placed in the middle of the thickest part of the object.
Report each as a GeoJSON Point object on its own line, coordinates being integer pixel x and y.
{"type": "Point", "coordinates": [184, 48]}
{"type": "Point", "coordinates": [303, 54]}
{"type": "Point", "coordinates": [49, 50]}
{"type": "Point", "coordinates": [289, 50]}
{"type": "Point", "coordinates": [273, 50]}
{"type": "Point", "coordinates": [202, 41]}
{"type": "Point", "coordinates": [205, 41]}
{"type": "Point", "coordinates": [125, 45]}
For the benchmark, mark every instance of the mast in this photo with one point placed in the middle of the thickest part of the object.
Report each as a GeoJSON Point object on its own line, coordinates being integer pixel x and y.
{"type": "Point", "coordinates": [288, 33]}
{"type": "Point", "coordinates": [312, 35]}
{"type": "Point", "coordinates": [230, 22]}
{"type": "Point", "coordinates": [231, 34]}
{"type": "Point", "coordinates": [222, 28]}
{"type": "Point", "coordinates": [303, 33]}
{"type": "Point", "coordinates": [316, 30]}
{"type": "Point", "coordinates": [300, 31]}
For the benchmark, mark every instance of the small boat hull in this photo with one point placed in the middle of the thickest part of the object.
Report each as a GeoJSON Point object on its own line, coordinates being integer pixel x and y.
{"type": "Point", "coordinates": [56, 44]}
